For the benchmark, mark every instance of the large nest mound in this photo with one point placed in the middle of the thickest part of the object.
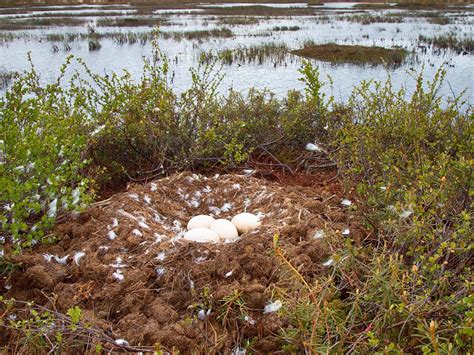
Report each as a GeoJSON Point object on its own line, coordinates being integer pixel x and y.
{"type": "Point", "coordinates": [139, 281]}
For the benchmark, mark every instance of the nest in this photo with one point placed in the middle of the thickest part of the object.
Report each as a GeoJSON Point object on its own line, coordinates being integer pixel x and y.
{"type": "Point", "coordinates": [139, 280]}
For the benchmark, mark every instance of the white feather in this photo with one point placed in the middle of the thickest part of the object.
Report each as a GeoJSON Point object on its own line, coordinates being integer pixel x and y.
{"type": "Point", "coordinates": [319, 234]}
{"type": "Point", "coordinates": [62, 260]}
{"type": "Point", "coordinates": [126, 214]}
{"type": "Point", "coordinates": [328, 262]}
{"type": "Point", "coordinates": [160, 271]}
{"type": "Point", "coordinates": [406, 213]}
{"type": "Point", "coordinates": [114, 223]}
{"type": "Point", "coordinates": [48, 257]}
{"type": "Point", "coordinates": [143, 225]}
{"type": "Point", "coordinates": [202, 314]}
{"type": "Point", "coordinates": [215, 210]}
{"type": "Point", "coordinates": [121, 342]}
{"type": "Point", "coordinates": [53, 208]}
{"type": "Point", "coordinates": [346, 202]}
{"type": "Point", "coordinates": [137, 233]}
{"type": "Point", "coordinates": [226, 207]}
{"type": "Point", "coordinates": [161, 256]}
{"type": "Point", "coordinates": [118, 275]}
{"type": "Point", "coordinates": [134, 197]}
{"type": "Point", "coordinates": [76, 194]}
{"type": "Point", "coordinates": [312, 147]}
{"type": "Point", "coordinates": [272, 307]}
{"type": "Point", "coordinates": [78, 256]}
{"type": "Point", "coordinates": [111, 235]}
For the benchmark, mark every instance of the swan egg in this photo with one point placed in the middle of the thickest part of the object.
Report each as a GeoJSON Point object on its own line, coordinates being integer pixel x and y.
{"type": "Point", "coordinates": [201, 235]}
{"type": "Point", "coordinates": [201, 221]}
{"type": "Point", "coordinates": [225, 229]}
{"type": "Point", "coordinates": [245, 222]}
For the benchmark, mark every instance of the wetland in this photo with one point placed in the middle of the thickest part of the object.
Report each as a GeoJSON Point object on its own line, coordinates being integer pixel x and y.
{"type": "Point", "coordinates": [260, 45]}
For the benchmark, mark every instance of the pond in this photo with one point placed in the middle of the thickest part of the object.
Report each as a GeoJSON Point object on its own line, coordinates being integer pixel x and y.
{"type": "Point", "coordinates": [251, 41]}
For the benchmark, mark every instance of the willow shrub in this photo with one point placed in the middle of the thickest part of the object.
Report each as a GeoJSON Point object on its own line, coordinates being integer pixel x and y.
{"type": "Point", "coordinates": [408, 286]}
{"type": "Point", "coordinates": [43, 139]}
{"type": "Point", "coordinates": [150, 131]}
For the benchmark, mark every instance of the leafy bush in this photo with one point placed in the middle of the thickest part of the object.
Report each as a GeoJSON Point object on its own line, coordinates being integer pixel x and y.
{"type": "Point", "coordinates": [151, 131]}
{"type": "Point", "coordinates": [42, 147]}
{"type": "Point", "coordinates": [407, 286]}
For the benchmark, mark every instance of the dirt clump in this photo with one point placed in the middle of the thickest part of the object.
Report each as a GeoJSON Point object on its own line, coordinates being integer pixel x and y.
{"type": "Point", "coordinates": [128, 268]}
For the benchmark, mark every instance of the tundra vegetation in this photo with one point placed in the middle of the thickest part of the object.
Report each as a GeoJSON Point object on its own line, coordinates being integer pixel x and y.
{"type": "Point", "coordinates": [407, 157]}
{"type": "Point", "coordinates": [336, 53]}
{"type": "Point", "coordinates": [450, 41]}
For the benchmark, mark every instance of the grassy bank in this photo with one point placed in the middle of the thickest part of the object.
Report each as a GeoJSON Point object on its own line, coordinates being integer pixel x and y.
{"type": "Point", "coordinates": [336, 53]}
{"type": "Point", "coordinates": [404, 285]}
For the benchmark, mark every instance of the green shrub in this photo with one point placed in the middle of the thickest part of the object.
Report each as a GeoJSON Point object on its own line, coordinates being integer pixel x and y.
{"type": "Point", "coordinates": [42, 148]}
{"type": "Point", "coordinates": [407, 286]}
{"type": "Point", "coordinates": [151, 131]}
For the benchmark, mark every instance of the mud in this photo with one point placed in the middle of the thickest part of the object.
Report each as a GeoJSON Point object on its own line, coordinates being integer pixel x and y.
{"type": "Point", "coordinates": [139, 281]}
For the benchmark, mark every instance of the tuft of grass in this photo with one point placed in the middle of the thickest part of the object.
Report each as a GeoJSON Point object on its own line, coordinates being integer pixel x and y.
{"type": "Point", "coordinates": [6, 77]}
{"type": "Point", "coordinates": [199, 34]}
{"type": "Point", "coordinates": [367, 19]}
{"type": "Point", "coordinates": [372, 6]}
{"type": "Point", "coordinates": [8, 24]}
{"type": "Point", "coordinates": [336, 53]}
{"type": "Point", "coordinates": [237, 20]}
{"type": "Point", "coordinates": [94, 45]}
{"type": "Point", "coordinates": [430, 4]}
{"type": "Point", "coordinates": [260, 54]}
{"type": "Point", "coordinates": [450, 41]}
{"type": "Point", "coordinates": [142, 21]}
{"type": "Point", "coordinates": [258, 10]}
{"type": "Point", "coordinates": [440, 20]}
{"type": "Point", "coordinates": [286, 28]}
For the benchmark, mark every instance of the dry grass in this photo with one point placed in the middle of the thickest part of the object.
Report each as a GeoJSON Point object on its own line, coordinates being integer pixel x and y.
{"type": "Point", "coordinates": [336, 53]}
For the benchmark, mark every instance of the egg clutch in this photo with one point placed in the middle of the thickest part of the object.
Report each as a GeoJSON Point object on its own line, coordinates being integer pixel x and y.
{"type": "Point", "coordinates": [206, 229]}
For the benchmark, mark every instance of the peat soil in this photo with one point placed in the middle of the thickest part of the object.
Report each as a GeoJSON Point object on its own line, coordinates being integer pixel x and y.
{"type": "Point", "coordinates": [138, 279]}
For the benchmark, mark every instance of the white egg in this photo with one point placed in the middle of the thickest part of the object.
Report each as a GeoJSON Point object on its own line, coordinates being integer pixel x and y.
{"type": "Point", "coordinates": [201, 235]}
{"type": "Point", "coordinates": [201, 221]}
{"type": "Point", "coordinates": [245, 222]}
{"type": "Point", "coordinates": [225, 229]}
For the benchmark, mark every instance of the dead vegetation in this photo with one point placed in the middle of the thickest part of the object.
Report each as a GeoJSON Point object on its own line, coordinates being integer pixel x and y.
{"type": "Point", "coordinates": [336, 53]}
{"type": "Point", "coordinates": [185, 296]}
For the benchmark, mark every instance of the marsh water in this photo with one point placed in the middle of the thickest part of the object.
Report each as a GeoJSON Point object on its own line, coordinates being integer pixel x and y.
{"type": "Point", "coordinates": [113, 38]}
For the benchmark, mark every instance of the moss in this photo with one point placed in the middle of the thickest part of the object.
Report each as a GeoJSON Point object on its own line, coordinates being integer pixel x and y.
{"type": "Point", "coordinates": [336, 53]}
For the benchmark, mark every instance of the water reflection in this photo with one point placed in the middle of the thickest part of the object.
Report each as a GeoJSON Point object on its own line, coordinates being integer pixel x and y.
{"type": "Point", "coordinates": [118, 50]}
